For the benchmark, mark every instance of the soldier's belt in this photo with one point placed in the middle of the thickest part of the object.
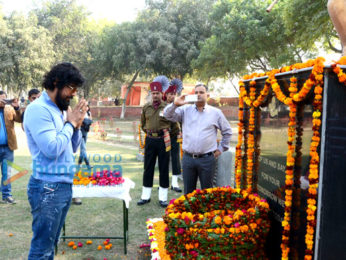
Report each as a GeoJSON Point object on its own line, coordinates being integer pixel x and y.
{"type": "Point", "coordinates": [156, 135]}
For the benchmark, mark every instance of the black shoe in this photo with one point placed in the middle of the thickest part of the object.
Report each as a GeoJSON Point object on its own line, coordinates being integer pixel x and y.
{"type": "Point", "coordinates": [9, 200]}
{"type": "Point", "coordinates": [163, 204]}
{"type": "Point", "coordinates": [142, 202]}
{"type": "Point", "coordinates": [176, 189]}
{"type": "Point", "coordinates": [76, 201]}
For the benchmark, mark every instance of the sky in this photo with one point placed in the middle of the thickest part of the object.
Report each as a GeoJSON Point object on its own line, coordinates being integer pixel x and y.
{"type": "Point", "coordinates": [114, 10]}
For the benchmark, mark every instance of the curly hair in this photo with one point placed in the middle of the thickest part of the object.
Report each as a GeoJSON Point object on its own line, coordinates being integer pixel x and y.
{"type": "Point", "coordinates": [61, 75]}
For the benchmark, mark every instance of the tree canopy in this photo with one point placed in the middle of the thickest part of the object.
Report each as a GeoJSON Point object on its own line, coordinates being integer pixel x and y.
{"type": "Point", "coordinates": [201, 39]}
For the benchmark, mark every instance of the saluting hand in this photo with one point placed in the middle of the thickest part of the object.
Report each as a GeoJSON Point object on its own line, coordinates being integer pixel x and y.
{"type": "Point", "coordinates": [180, 101]}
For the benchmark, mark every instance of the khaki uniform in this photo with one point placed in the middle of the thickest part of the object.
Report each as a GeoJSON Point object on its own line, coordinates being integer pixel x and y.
{"type": "Point", "coordinates": [153, 123]}
{"type": "Point", "coordinates": [152, 119]}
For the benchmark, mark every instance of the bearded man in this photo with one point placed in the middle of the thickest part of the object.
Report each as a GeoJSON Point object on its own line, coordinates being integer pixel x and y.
{"type": "Point", "coordinates": [52, 142]}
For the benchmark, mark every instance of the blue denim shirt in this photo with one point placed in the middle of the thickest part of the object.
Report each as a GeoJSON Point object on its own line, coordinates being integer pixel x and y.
{"type": "Point", "coordinates": [51, 142]}
{"type": "Point", "coordinates": [3, 133]}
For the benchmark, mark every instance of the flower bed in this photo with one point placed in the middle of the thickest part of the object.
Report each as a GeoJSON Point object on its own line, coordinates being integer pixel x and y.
{"type": "Point", "coordinates": [216, 222]}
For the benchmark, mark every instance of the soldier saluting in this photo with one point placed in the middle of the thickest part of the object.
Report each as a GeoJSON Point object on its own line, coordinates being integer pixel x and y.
{"type": "Point", "coordinates": [157, 142]}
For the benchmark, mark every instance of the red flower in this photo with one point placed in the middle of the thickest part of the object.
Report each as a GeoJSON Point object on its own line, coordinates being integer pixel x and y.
{"type": "Point", "coordinates": [180, 231]}
{"type": "Point", "coordinates": [194, 253]}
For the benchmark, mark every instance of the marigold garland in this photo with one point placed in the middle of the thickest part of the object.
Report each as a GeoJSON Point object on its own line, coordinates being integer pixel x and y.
{"type": "Point", "coordinates": [290, 162]}
{"type": "Point", "coordinates": [289, 183]}
{"type": "Point", "coordinates": [257, 150]}
{"type": "Point", "coordinates": [313, 170]}
{"type": "Point", "coordinates": [315, 79]}
{"type": "Point", "coordinates": [338, 71]}
{"type": "Point", "coordinates": [251, 138]}
{"type": "Point", "coordinates": [251, 101]}
{"type": "Point", "coordinates": [238, 150]}
{"type": "Point", "coordinates": [297, 174]}
{"type": "Point", "coordinates": [141, 144]}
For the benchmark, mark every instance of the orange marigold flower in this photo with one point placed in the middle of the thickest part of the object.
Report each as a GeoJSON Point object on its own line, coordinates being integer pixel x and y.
{"type": "Point", "coordinates": [70, 244]}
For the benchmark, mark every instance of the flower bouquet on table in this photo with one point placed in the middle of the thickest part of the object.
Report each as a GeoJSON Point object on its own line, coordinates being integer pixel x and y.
{"type": "Point", "coordinates": [103, 178]}
{"type": "Point", "coordinates": [216, 223]}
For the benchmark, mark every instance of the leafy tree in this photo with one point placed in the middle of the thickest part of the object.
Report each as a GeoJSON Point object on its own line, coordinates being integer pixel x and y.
{"type": "Point", "coordinates": [309, 25]}
{"type": "Point", "coordinates": [125, 52]}
{"type": "Point", "coordinates": [30, 52]}
{"type": "Point", "coordinates": [176, 28]}
{"type": "Point", "coordinates": [76, 37]}
{"type": "Point", "coordinates": [246, 38]}
{"type": "Point", "coordinates": [5, 57]}
{"type": "Point", "coordinates": [90, 56]}
{"type": "Point", "coordinates": [67, 24]}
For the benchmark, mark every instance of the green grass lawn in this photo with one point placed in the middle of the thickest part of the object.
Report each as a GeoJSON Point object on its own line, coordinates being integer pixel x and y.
{"type": "Point", "coordinates": [96, 216]}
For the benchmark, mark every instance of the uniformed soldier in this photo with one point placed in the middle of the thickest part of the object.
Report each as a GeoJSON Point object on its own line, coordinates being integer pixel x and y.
{"type": "Point", "coordinates": [175, 87]}
{"type": "Point", "coordinates": [157, 142]}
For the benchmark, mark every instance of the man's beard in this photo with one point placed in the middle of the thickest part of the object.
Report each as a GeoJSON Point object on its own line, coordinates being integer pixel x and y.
{"type": "Point", "coordinates": [62, 103]}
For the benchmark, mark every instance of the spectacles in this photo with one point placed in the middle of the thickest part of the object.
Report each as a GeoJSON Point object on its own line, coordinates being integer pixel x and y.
{"type": "Point", "coordinates": [73, 89]}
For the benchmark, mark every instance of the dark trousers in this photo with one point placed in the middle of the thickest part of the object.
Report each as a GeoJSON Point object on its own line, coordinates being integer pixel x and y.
{"type": "Point", "coordinates": [202, 168]}
{"type": "Point", "coordinates": [49, 203]}
{"type": "Point", "coordinates": [175, 154]}
{"type": "Point", "coordinates": [155, 147]}
{"type": "Point", "coordinates": [83, 153]}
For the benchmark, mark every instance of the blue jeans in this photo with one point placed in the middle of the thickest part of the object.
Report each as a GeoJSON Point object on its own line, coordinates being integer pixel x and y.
{"type": "Point", "coordinates": [5, 154]}
{"type": "Point", "coordinates": [49, 203]}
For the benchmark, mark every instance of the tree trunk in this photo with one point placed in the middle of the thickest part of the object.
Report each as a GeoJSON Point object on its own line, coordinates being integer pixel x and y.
{"type": "Point", "coordinates": [129, 86]}
{"type": "Point", "coordinates": [337, 13]}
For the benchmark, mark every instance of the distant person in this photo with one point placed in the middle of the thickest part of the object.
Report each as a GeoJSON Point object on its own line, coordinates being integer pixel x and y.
{"type": "Point", "coordinates": [52, 143]}
{"type": "Point", "coordinates": [87, 121]}
{"type": "Point", "coordinates": [22, 100]}
{"type": "Point", "coordinates": [33, 94]}
{"type": "Point", "coordinates": [200, 123]}
{"type": "Point", "coordinates": [9, 113]}
{"type": "Point", "coordinates": [116, 101]}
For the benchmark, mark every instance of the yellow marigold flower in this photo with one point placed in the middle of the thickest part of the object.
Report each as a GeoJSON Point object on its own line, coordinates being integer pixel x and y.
{"type": "Point", "coordinates": [218, 220]}
{"type": "Point", "coordinates": [227, 220]}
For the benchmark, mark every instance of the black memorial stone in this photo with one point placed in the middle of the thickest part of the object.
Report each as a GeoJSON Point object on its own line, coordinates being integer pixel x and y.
{"type": "Point", "coordinates": [331, 221]}
{"type": "Point", "coordinates": [271, 135]}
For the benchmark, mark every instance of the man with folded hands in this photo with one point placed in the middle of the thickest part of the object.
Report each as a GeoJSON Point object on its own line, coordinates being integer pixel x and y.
{"type": "Point", "coordinates": [52, 142]}
{"type": "Point", "coordinates": [200, 123]}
